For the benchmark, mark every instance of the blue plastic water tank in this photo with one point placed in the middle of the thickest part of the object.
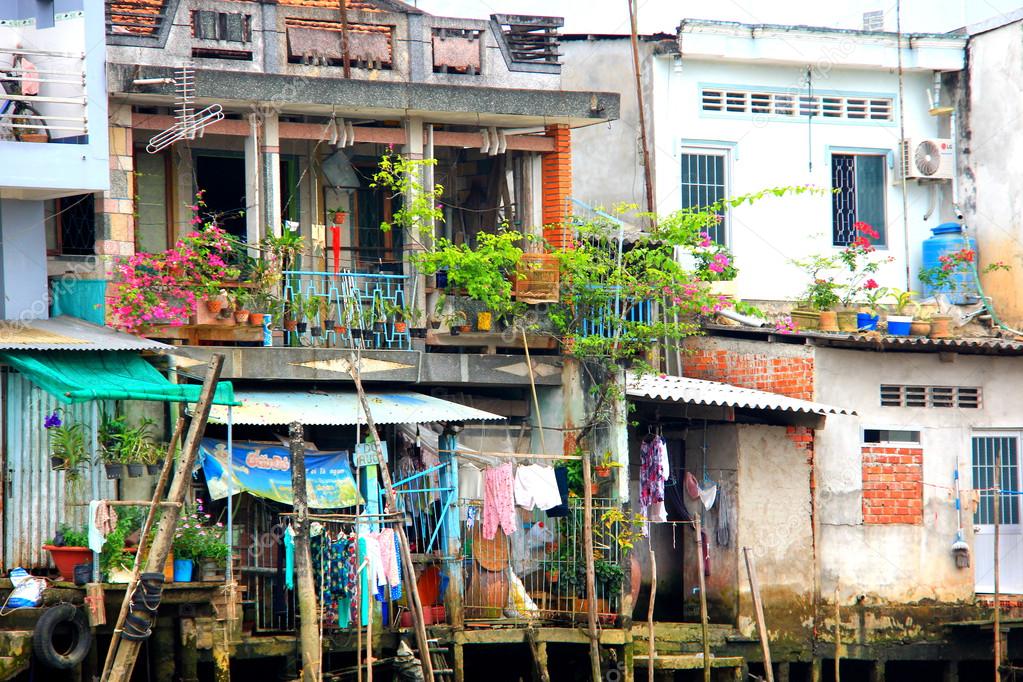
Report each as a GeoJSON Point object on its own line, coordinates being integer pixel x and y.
{"type": "Point", "coordinates": [946, 238]}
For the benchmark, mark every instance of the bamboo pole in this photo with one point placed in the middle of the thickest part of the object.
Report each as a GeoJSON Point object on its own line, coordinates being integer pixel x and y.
{"type": "Point", "coordinates": [758, 610]}
{"type": "Point", "coordinates": [309, 636]}
{"type": "Point", "coordinates": [422, 640]}
{"type": "Point", "coordinates": [127, 650]}
{"type": "Point", "coordinates": [998, 519]}
{"type": "Point", "coordinates": [591, 588]}
{"type": "Point", "coordinates": [647, 161]}
{"type": "Point", "coordinates": [697, 525]}
{"type": "Point", "coordinates": [168, 464]}
{"type": "Point", "coordinates": [651, 645]}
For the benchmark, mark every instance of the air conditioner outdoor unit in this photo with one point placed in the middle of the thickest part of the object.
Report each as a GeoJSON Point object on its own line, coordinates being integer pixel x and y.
{"type": "Point", "coordinates": [927, 159]}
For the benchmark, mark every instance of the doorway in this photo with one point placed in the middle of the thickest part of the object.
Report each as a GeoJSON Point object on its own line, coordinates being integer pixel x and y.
{"type": "Point", "coordinates": [984, 449]}
{"type": "Point", "coordinates": [222, 177]}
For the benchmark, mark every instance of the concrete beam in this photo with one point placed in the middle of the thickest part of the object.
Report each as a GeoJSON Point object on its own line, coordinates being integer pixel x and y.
{"type": "Point", "coordinates": [331, 365]}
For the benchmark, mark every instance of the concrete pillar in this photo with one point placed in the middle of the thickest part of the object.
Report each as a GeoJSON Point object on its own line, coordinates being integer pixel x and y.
{"type": "Point", "coordinates": [23, 261]}
{"type": "Point", "coordinates": [270, 153]}
{"type": "Point", "coordinates": [253, 203]}
{"type": "Point", "coordinates": [162, 651]}
{"type": "Point", "coordinates": [557, 187]}
{"type": "Point", "coordinates": [189, 651]}
{"type": "Point", "coordinates": [414, 149]}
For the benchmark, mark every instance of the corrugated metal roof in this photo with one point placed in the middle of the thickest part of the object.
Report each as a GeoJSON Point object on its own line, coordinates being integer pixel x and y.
{"type": "Point", "coordinates": [703, 392]}
{"type": "Point", "coordinates": [342, 408]}
{"type": "Point", "coordinates": [69, 333]}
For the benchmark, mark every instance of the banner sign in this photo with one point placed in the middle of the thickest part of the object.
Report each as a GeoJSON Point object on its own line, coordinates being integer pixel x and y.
{"type": "Point", "coordinates": [265, 471]}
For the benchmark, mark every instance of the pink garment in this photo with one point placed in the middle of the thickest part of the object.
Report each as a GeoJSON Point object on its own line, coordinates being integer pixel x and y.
{"type": "Point", "coordinates": [498, 501]}
{"type": "Point", "coordinates": [388, 557]}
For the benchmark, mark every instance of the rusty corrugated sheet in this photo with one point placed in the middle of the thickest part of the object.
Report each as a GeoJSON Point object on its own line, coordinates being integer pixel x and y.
{"type": "Point", "coordinates": [34, 496]}
{"type": "Point", "coordinates": [457, 52]}
{"type": "Point", "coordinates": [322, 39]}
{"type": "Point", "coordinates": [69, 333]}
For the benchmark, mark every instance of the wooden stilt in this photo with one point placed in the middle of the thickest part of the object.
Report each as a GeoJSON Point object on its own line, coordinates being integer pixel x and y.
{"type": "Point", "coordinates": [459, 661]}
{"type": "Point", "coordinates": [539, 651]}
{"type": "Point", "coordinates": [189, 651]}
{"type": "Point", "coordinates": [877, 671]}
{"type": "Point", "coordinates": [704, 627]}
{"type": "Point", "coordinates": [422, 640]}
{"type": "Point", "coordinates": [651, 646]}
{"type": "Point", "coordinates": [758, 611]}
{"type": "Point", "coordinates": [221, 653]}
{"type": "Point", "coordinates": [309, 634]}
{"type": "Point", "coordinates": [126, 651]}
{"type": "Point", "coordinates": [816, 670]}
{"type": "Point", "coordinates": [591, 587]}
{"type": "Point", "coordinates": [163, 651]}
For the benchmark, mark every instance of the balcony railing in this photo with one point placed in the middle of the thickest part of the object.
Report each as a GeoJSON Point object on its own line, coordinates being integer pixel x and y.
{"type": "Point", "coordinates": [355, 309]}
{"type": "Point", "coordinates": [43, 96]}
{"type": "Point", "coordinates": [607, 320]}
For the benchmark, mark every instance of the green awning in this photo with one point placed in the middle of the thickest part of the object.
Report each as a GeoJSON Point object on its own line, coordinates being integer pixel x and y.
{"type": "Point", "coordinates": [80, 376]}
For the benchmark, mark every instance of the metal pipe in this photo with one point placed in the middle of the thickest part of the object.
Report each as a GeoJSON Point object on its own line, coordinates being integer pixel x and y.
{"type": "Point", "coordinates": [153, 81]}
{"type": "Point", "coordinates": [230, 492]}
{"type": "Point", "coordinates": [95, 479]}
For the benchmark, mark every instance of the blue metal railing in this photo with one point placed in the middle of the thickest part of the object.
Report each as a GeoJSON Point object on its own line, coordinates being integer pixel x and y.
{"type": "Point", "coordinates": [355, 302]}
{"type": "Point", "coordinates": [608, 320]}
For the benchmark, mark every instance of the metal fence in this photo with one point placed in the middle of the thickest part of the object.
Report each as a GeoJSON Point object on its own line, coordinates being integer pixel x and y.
{"type": "Point", "coordinates": [42, 94]}
{"type": "Point", "coordinates": [428, 505]}
{"type": "Point", "coordinates": [355, 309]}
{"type": "Point", "coordinates": [539, 572]}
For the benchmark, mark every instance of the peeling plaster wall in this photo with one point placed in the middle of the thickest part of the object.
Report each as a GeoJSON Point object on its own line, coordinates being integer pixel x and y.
{"type": "Point", "coordinates": [989, 169]}
{"type": "Point", "coordinates": [896, 562]}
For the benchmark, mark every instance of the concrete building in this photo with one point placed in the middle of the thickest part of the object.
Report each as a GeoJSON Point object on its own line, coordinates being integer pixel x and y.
{"type": "Point", "coordinates": [723, 98]}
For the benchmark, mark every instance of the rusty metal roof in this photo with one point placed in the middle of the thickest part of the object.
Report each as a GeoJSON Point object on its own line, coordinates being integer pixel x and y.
{"type": "Point", "coordinates": [69, 333]}
{"type": "Point", "coordinates": [702, 392]}
{"type": "Point", "coordinates": [342, 408]}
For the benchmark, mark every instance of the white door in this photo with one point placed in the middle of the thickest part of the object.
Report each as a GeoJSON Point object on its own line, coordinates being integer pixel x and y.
{"type": "Point", "coordinates": [984, 450]}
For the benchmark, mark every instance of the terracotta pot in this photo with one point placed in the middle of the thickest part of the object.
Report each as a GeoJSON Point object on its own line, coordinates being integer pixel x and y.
{"type": "Point", "coordinates": [919, 328]}
{"type": "Point", "coordinates": [400, 327]}
{"type": "Point", "coordinates": [847, 320]}
{"type": "Point", "coordinates": [828, 321]}
{"type": "Point", "coordinates": [214, 305]}
{"type": "Point", "coordinates": [602, 471]}
{"type": "Point", "coordinates": [466, 328]}
{"type": "Point", "coordinates": [290, 325]}
{"type": "Point", "coordinates": [941, 327]}
{"type": "Point", "coordinates": [66, 558]}
{"type": "Point", "coordinates": [256, 319]}
{"type": "Point", "coordinates": [806, 319]}
{"type": "Point", "coordinates": [339, 217]}
{"type": "Point", "coordinates": [241, 316]}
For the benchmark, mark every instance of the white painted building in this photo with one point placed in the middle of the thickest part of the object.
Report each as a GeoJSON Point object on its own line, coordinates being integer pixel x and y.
{"type": "Point", "coordinates": [734, 108]}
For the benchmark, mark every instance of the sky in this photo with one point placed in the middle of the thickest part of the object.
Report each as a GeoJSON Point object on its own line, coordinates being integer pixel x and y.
{"type": "Point", "coordinates": [612, 16]}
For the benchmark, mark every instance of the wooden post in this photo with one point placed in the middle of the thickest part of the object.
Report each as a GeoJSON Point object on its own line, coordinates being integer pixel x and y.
{"type": "Point", "coordinates": [998, 520]}
{"type": "Point", "coordinates": [346, 58]}
{"type": "Point", "coordinates": [539, 651]}
{"type": "Point", "coordinates": [758, 611]}
{"type": "Point", "coordinates": [651, 206]}
{"type": "Point", "coordinates": [309, 632]}
{"type": "Point", "coordinates": [189, 651]}
{"type": "Point", "coordinates": [703, 597]}
{"type": "Point", "coordinates": [127, 650]}
{"type": "Point", "coordinates": [651, 645]}
{"type": "Point", "coordinates": [422, 640]}
{"type": "Point", "coordinates": [591, 587]}
{"type": "Point", "coordinates": [838, 638]}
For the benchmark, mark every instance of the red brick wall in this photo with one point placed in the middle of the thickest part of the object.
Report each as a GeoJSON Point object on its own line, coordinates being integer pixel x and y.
{"type": "Point", "coordinates": [892, 484]}
{"type": "Point", "coordinates": [556, 170]}
{"type": "Point", "coordinates": [791, 376]}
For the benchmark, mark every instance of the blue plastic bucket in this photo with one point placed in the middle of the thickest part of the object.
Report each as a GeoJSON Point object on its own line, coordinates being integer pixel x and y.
{"type": "Point", "coordinates": [899, 327]}
{"type": "Point", "coordinates": [182, 570]}
{"type": "Point", "coordinates": [866, 321]}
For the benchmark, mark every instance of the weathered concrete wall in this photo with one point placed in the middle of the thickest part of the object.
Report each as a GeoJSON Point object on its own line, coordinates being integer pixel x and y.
{"type": "Point", "coordinates": [23, 255]}
{"type": "Point", "coordinates": [989, 101]}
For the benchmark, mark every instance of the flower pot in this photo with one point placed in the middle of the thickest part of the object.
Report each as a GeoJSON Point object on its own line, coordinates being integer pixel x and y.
{"type": "Point", "coordinates": [242, 316]}
{"type": "Point", "coordinates": [434, 324]}
{"type": "Point", "coordinates": [454, 331]}
{"type": "Point", "coordinates": [898, 325]}
{"type": "Point", "coordinates": [919, 328]}
{"type": "Point", "coordinates": [553, 575]}
{"type": "Point", "coordinates": [806, 319]}
{"type": "Point", "coordinates": [290, 325]}
{"type": "Point", "coordinates": [941, 327]}
{"type": "Point", "coordinates": [182, 570]}
{"type": "Point", "coordinates": [400, 327]}
{"type": "Point", "coordinates": [136, 469]}
{"type": "Point", "coordinates": [57, 463]}
{"type": "Point", "coordinates": [828, 321]}
{"type": "Point", "coordinates": [301, 327]}
{"type": "Point", "coordinates": [866, 321]}
{"type": "Point", "coordinates": [256, 319]}
{"type": "Point", "coordinates": [155, 468]}
{"type": "Point", "coordinates": [214, 305]}
{"type": "Point", "coordinates": [847, 320]}
{"type": "Point", "coordinates": [603, 471]}
{"type": "Point", "coordinates": [465, 328]}
{"type": "Point", "coordinates": [114, 471]}
{"type": "Point", "coordinates": [210, 571]}
{"type": "Point", "coordinates": [484, 321]}
{"type": "Point", "coordinates": [66, 558]}
{"type": "Point", "coordinates": [339, 217]}
{"type": "Point", "coordinates": [418, 332]}
{"type": "Point", "coordinates": [33, 137]}
{"type": "Point", "coordinates": [316, 331]}
{"type": "Point", "coordinates": [594, 488]}
{"type": "Point", "coordinates": [329, 325]}
{"type": "Point", "coordinates": [379, 327]}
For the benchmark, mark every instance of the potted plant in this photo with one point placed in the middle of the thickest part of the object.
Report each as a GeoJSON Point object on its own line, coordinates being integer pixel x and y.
{"type": "Point", "coordinates": [153, 456]}
{"type": "Point", "coordinates": [68, 450]}
{"type": "Point", "coordinates": [603, 466]}
{"type": "Point", "coordinates": [921, 324]}
{"type": "Point", "coordinates": [820, 296]}
{"type": "Point", "coordinates": [216, 300]}
{"type": "Point", "coordinates": [295, 320]}
{"type": "Point", "coordinates": [110, 431]}
{"type": "Point", "coordinates": [194, 540]}
{"type": "Point", "coordinates": [338, 215]}
{"type": "Point", "coordinates": [117, 558]}
{"type": "Point", "coordinates": [313, 304]}
{"type": "Point", "coordinates": [899, 323]}
{"type": "Point", "coordinates": [260, 305]}
{"type": "Point", "coordinates": [954, 277]}
{"type": "Point", "coordinates": [457, 322]}
{"type": "Point", "coordinates": [327, 315]}
{"type": "Point", "coordinates": [715, 265]}
{"type": "Point", "coordinates": [69, 548]}
{"type": "Point", "coordinates": [239, 301]}
{"type": "Point", "coordinates": [868, 316]}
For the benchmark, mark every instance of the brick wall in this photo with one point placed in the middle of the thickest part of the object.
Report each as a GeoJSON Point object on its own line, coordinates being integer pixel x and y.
{"type": "Point", "coordinates": [556, 171]}
{"type": "Point", "coordinates": [115, 214]}
{"type": "Point", "coordinates": [791, 376]}
{"type": "Point", "coordinates": [892, 484]}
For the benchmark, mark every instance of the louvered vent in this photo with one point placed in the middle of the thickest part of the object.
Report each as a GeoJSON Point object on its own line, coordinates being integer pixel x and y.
{"type": "Point", "coordinates": [967, 397]}
{"type": "Point", "coordinates": [791, 104]}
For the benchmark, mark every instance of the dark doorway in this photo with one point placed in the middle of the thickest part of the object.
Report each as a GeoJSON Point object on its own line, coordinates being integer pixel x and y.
{"type": "Point", "coordinates": [223, 179]}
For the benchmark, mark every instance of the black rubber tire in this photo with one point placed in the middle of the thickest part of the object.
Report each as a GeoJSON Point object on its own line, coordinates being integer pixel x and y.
{"type": "Point", "coordinates": [42, 637]}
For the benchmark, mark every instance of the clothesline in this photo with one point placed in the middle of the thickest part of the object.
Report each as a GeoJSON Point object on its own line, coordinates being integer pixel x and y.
{"type": "Point", "coordinates": [512, 455]}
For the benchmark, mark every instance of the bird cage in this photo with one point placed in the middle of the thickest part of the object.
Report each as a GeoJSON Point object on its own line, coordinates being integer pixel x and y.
{"type": "Point", "coordinates": [537, 278]}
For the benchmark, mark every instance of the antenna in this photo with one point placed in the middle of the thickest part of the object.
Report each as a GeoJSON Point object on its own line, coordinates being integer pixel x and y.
{"type": "Point", "coordinates": [187, 123]}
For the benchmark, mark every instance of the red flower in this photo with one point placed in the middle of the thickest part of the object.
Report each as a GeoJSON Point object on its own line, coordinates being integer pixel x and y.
{"type": "Point", "coordinates": [866, 229]}
{"type": "Point", "coordinates": [870, 284]}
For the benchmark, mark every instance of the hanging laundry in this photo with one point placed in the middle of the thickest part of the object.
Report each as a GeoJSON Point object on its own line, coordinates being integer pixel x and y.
{"type": "Point", "coordinates": [498, 502]}
{"type": "Point", "coordinates": [561, 510]}
{"type": "Point", "coordinates": [536, 486]}
{"type": "Point", "coordinates": [725, 519]}
{"type": "Point", "coordinates": [705, 552]}
{"type": "Point", "coordinates": [653, 472]}
{"type": "Point", "coordinates": [692, 486]}
{"type": "Point", "coordinates": [102, 521]}
{"type": "Point", "coordinates": [708, 494]}
{"type": "Point", "coordinates": [390, 563]}
{"type": "Point", "coordinates": [289, 558]}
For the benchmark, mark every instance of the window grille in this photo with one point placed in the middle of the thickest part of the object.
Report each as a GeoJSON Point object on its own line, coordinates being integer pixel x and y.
{"type": "Point", "coordinates": [705, 182]}
{"type": "Point", "coordinates": [984, 449]}
{"type": "Point", "coordinates": [967, 397]}
{"type": "Point", "coordinates": [791, 104]}
{"type": "Point", "coordinates": [858, 181]}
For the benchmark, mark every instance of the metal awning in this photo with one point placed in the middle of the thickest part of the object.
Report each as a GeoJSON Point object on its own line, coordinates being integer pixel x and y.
{"type": "Point", "coordinates": [70, 333]}
{"type": "Point", "coordinates": [714, 393]}
{"type": "Point", "coordinates": [342, 408]}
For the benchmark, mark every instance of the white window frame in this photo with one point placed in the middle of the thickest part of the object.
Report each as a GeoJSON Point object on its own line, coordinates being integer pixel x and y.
{"type": "Point", "coordinates": [711, 149]}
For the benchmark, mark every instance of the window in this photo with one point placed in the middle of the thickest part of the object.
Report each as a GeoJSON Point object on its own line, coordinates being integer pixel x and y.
{"type": "Point", "coordinates": [872, 436]}
{"type": "Point", "coordinates": [984, 450]}
{"type": "Point", "coordinates": [930, 396]}
{"type": "Point", "coordinates": [152, 222]}
{"type": "Point", "coordinates": [835, 107]}
{"type": "Point", "coordinates": [71, 226]}
{"type": "Point", "coordinates": [859, 192]}
{"type": "Point", "coordinates": [704, 182]}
